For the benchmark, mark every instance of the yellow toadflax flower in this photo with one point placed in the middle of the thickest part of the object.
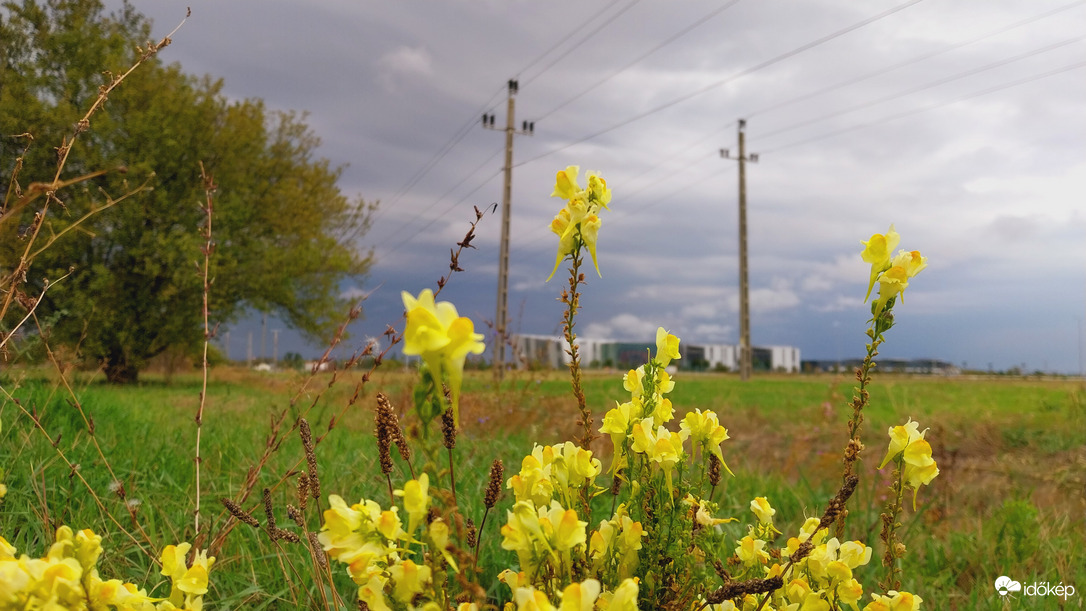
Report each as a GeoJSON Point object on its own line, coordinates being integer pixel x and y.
{"type": "Point", "coordinates": [443, 338]}
{"type": "Point", "coordinates": [877, 251]}
{"type": "Point", "coordinates": [918, 467]}
{"type": "Point", "coordinates": [667, 347]}
{"type": "Point", "coordinates": [578, 224]}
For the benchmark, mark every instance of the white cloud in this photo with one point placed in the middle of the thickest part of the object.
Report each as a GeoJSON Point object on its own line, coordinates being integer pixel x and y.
{"type": "Point", "coordinates": [404, 63]}
{"type": "Point", "coordinates": [623, 327]}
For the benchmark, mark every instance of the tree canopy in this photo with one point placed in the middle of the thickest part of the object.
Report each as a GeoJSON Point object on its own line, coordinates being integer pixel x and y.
{"type": "Point", "coordinates": [286, 236]}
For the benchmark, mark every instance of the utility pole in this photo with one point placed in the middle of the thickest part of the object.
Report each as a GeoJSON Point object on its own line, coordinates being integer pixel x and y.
{"type": "Point", "coordinates": [744, 281]}
{"type": "Point", "coordinates": [501, 317]}
{"type": "Point", "coordinates": [275, 347]}
{"type": "Point", "coordinates": [264, 338]}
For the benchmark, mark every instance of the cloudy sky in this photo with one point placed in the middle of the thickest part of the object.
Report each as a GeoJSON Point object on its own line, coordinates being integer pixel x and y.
{"type": "Point", "coordinates": [963, 123]}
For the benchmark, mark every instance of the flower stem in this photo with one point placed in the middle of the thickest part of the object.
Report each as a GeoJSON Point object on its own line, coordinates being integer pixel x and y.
{"type": "Point", "coordinates": [572, 299]}
{"type": "Point", "coordinates": [859, 402]}
{"type": "Point", "coordinates": [889, 531]}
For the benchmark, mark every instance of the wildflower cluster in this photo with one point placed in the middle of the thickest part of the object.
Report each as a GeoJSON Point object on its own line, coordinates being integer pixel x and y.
{"type": "Point", "coordinates": [67, 578]}
{"type": "Point", "coordinates": [662, 542]}
{"type": "Point", "coordinates": [392, 565]}
{"type": "Point", "coordinates": [578, 224]}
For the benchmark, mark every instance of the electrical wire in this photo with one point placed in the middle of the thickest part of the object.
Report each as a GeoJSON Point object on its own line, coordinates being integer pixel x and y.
{"type": "Point", "coordinates": [468, 175]}
{"type": "Point", "coordinates": [583, 25]}
{"type": "Point", "coordinates": [914, 60]}
{"type": "Point", "coordinates": [910, 91]}
{"type": "Point", "coordinates": [436, 158]}
{"type": "Point", "coordinates": [712, 86]}
{"type": "Point", "coordinates": [909, 113]}
{"type": "Point", "coordinates": [595, 84]}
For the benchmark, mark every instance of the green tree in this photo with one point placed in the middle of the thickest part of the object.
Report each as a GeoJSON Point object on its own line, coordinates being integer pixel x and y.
{"type": "Point", "coordinates": [286, 237]}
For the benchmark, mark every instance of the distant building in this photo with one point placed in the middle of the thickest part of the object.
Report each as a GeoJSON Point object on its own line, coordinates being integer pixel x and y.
{"type": "Point", "coordinates": [919, 366]}
{"type": "Point", "coordinates": [551, 352]}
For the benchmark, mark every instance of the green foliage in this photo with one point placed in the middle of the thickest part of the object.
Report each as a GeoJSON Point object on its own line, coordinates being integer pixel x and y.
{"type": "Point", "coordinates": [284, 233]}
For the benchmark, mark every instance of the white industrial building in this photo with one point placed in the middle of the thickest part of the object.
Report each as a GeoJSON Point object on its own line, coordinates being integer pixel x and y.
{"type": "Point", "coordinates": [551, 351]}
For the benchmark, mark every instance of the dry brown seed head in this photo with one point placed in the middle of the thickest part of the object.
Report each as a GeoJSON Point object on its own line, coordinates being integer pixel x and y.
{"type": "Point", "coordinates": [494, 487]}
{"type": "Point", "coordinates": [239, 513]}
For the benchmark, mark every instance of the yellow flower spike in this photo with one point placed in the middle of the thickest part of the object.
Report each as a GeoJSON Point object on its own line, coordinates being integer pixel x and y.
{"type": "Point", "coordinates": [590, 233]}
{"type": "Point", "coordinates": [565, 183]}
{"type": "Point", "coordinates": [877, 252]}
{"type": "Point", "coordinates": [667, 347]}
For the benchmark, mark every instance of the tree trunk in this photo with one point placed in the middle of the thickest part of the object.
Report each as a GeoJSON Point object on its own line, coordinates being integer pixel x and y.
{"type": "Point", "coordinates": [121, 372]}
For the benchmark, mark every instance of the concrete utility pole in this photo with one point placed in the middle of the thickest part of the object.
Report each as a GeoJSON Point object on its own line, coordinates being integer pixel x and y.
{"type": "Point", "coordinates": [501, 317]}
{"type": "Point", "coordinates": [744, 281]}
{"type": "Point", "coordinates": [275, 347]}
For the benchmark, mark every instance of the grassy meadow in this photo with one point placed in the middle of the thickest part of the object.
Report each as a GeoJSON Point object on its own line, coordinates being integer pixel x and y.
{"type": "Point", "coordinates": [1010, 499]}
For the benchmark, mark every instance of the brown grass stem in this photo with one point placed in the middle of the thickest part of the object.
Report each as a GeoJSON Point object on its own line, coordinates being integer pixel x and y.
{"type": "Point", "coordinates": [209, 190]}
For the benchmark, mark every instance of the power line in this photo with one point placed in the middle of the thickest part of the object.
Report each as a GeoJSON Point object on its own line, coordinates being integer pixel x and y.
{"type": "Point", "coordinates": [583, 25]}
{"type": "Point", "coordinates": [935, 83]}
{"type": "Point", "coordinates": [914, 111]}
{"type": "Point", "coordinates": [447, 210]}
{"type": "Point", "coordinates": [916, 59]}
{"type": "Point", "coordinates": [595, 85]}
{"type": "Point", "coordinates": [468, 175]}
{"type": "Point", "coordinates": [444, 150]}
{"type": "Point", "coordinates": [710, 87]}
{"type": "Point", "coordinates": [468, 125]}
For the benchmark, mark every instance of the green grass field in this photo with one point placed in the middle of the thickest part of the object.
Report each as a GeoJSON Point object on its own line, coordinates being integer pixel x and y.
{"type": "Point", "coordinates": [1010, 499]}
